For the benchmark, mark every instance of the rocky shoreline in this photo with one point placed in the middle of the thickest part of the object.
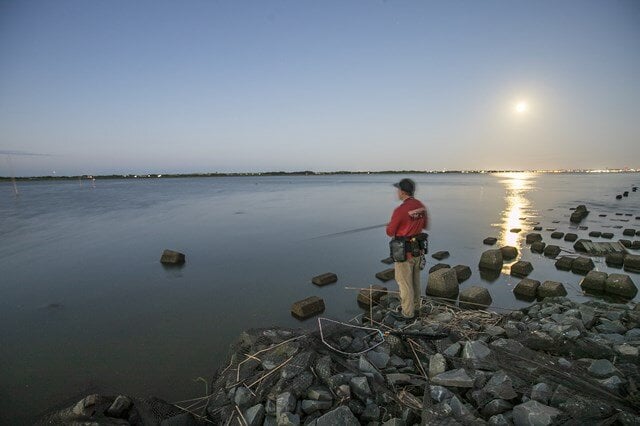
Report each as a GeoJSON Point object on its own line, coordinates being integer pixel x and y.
{"type": "Point", "coordinates": [554, 362]}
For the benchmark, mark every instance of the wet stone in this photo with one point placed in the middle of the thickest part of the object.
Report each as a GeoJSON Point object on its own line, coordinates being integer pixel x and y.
{"type": "Point", "coordinates": [475, 350]}
{"type": "Point", "coordinates": [538, 247]}
{"type": "Point", "coordinates": [308, 307]}
{"type": "Point", "coordinates": [360, 387]}
{"type": "Point", "coordinates": [373, 295]}
{"type": "Point", "coordinates": [595, 234]}
{"type": "Point", "coordinates": [551, 289]}
{"type": "Point", "coordinates": [521, 269]}
{"type": "Point", "coordinates": [443, 283]}
{"type": "Point", "coordinates": [629, 232]}
{"type": "Point", "coordinates": [533, 237]}
{"type": "Point", "coordinates": [527, 288]}
{"type": "Point", "coordinates": [570, 237]}
{"type": "Point", "coordinates": [386, 275]}
{"type": "Point", "coordinates": [501, 386]}
{"type": "Point", "coordinates": [439, 255]}
{"type": "Point", "coordinates": [437, 364]}
{"type": "Point", "coordinates": [439, 266]}
{"type": "Point", "coordinates": [532, 413]}
{"type": "Point", "coordinates": [254, 416]}
{"type": "Point", "coordinates": [439, 393]}
{"type": "Point", "coordinates": [457, 378]}
{"type": "Point", "coordinates": [582, 265]}
{"type": "Point", "coordinates": [491, 260]}
{"type": "Point", "coordinates": [515, 230]}
{"type": "Point", "coordinates": [632, 263]}
{"type": "Point", "coordinates": [541, 392]}
{"type": "Point", "coordinates": [557, 235]}
{"type": "Point", "coordinates": [324, 279]}
{"type": "Point", "coordinates": [607, 235]}
{"type": "Point", "coordinates": [339, 416]}
{"type": "Point", "coordinates": [475, 297]}
{"type": "Point", "coordinates": [171, 257]}
{"type": "Point", "coordinates": [509, 252]}
{"type": "Point", "coordinates": [580, 246]}
{"type": "Point", "coordinates": [614, 260]}
{"type": "Point", "coordinates": [620, 285]}
{"type": "Point", "coordinates": [463, 272]}
{"type": "Point", "coordinates": [537, 228]}
{"type": "Point", "coordinates": [497, 406]}
{"type": "Point", "coordinates": [594, 281]}
{"type": "Point", "coordinates": [490, 241]}
{"type": "Point", "coordinates": [551, 251]}
{"type": "Point", "coordinates": [602, 368]}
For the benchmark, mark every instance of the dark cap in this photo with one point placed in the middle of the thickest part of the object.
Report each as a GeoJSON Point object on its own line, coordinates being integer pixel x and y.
{"type": "Point", "coordinates": [406, 185]}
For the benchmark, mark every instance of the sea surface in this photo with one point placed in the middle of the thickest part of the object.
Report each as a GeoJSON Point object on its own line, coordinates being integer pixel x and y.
{"type": "Point", "coordinates": [86, 306]}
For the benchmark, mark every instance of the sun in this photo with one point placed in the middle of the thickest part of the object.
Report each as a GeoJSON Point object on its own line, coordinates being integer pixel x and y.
{"type": "Point", "coordinates": [521, 107]}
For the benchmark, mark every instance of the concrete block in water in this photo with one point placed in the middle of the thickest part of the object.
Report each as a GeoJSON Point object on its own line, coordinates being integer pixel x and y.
{"type": "Point", "coordinates": [615, 260]}
{"type": "Point", "coordinates": [443, 283]}
{"type": "Point", "coordinates": [621, 285]}
{"type": "Point", "coordinates": [491, 260]}
{"type": "Point", "coordinates": [515, 230]}
{"type": "Point", "coordinates": [537, 228]}
{"type": "Point", "coordinates": [527, 288]}
{"type": "Point", "coordinates": [521, 269]}
{"type": "Point", "coordinates": [564, 263]}
{"type": "Point", "coordinates": [582, 265]}
{"type": "Point", "coordinates": [557, 235]}
{"type": "Point", "coordinates": [607, 235]}
{"type": "Point", "coordinates": [373, 295]}
{"type": "Point", "coordinates": [463, 272]}
{"type": "Point", "coordinates": [439, 255]}
{"type": "Point", "coordinates": [629, 232]}
{"type": "Point", "coordinates": [308, 307]}
{"type": "Point", "coordinates": [324, 279]}
{"type": "Point", "coordinates": [490, 241]}
{"type": "Point", "coordinates": [632, 263]}
{"type": "Point", "coordinates": [439, 266]}
{"type": "Point", "coordinates": [509, 252]}
{"type": "Point", "coordinates": [170, 257]}
{"type": "Point", "coordinates": [386, 275]}
{"type": "Point", "coordinates": [595, 234]}
{"type": "Point", "coordinates": [533, 237]}
{"type": "Point", "coordinates": [475, 297]}
{"type": "Point", "coordinates": [594, 281]}
{"type": "Point", "coordinates": [570, 237]}
{"type": "Point", "coordinates": [551, 289]}
{"type": "Point", "coordinates": [551, 251]}
{"type": "Point", "coordinates": [538, 247]}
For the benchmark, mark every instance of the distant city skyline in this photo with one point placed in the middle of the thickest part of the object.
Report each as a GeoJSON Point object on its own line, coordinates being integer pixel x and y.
{"type": "Point", "coordinates": [201, 87]}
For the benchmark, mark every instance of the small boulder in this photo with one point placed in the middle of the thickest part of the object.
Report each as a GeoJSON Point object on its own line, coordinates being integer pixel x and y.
{"type": "Point", "coordinates": [532, 413]}
{"type": "Point", "coordinates": [521, 269]}
{"type": "Point", "coordinates": [570, 237]}
{"type": "Point", "coordinates": [551, 289]}
{"type": "Point", "coordinates": [338, 416]}
{"type": "Point", "coordinates": [437, 364]}
{"type": "Point", "coordinates": [509, 252]}
{"type": "Point", "coordinates": [324, 279]}
{"type": "Point", "coordinates": [475, 297]}
{"type": "Point", "coordinates": [527, 288]}
{"type": "Point", "coordinates": [632, 263]}
{"type": "Point", "coordinates": [582, 265]}
{"type": "Point", "coordinates": [538, 247]}
{"type": "Point", "coordinates": [491, 260]}
{"type": "Point", "coordinates": [551, 251]}
{"type": "Point", "coordinates": [386, 275]}
{"type": "Point", "coordinates": [594, 281]}
{"type": "Point", "coordinates": [453, 378]}
{"type": "Point", "coordinates": [439, 255]}
{"type": "Point", "coordinates": [463, 272]}
{"type": "Point", "coordinates": [438, 266]}
{"type": "Point", "coordinates": [170, 257]}
{"type": "Point", "coordinates": [490, 241]}
{"type": "Point", "coordinates": [443, 283]}
{"type": "Point", "coordinates": [533, 237]}
{"type": "Point", "coordinates": [621, 285]}
{"type": "Point", "coordinates": [306, 308]}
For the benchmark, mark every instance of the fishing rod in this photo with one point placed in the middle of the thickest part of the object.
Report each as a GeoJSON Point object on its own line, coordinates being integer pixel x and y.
{"type": "Point", "coordinates": [350, 231]}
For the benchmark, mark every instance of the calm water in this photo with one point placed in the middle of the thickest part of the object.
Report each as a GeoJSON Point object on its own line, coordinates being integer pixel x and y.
{"type": "Point", "coordinates": [87, 307]}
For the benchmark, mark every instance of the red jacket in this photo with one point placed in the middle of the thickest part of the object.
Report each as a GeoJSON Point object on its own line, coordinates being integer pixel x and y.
{"type": "Point", "coordinates": [408, 219]}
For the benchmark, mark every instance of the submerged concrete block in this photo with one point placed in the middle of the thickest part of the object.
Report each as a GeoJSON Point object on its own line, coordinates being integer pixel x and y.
{"type": "Point", "coordinates": [443, 283]}
{"type": "Point", "coordinates": [475, 297]}
{"type": "Point", "coordinates": [521, 269]}
{"type": "Point", "coordinates": [527, 288]}
{"type": "Point", "coordinates": [386, 275]}
{"type": "Point", "coordinates": [509, 252]}
{"type": "Point", "coordinates": [551, 289]}
{"type": "Point", "coordinates": [491, 260]}
{"type": "Point", "coordinates": [170, 257]}
{"type": "Point", "coordinates": [324, 279]}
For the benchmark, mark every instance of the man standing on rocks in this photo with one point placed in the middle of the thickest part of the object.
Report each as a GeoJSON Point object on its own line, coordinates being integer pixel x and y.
{"type": "Point", "coordinates": [407, 222]}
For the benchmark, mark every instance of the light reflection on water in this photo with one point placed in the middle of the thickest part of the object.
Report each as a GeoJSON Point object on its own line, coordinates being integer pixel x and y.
{"type": "Point", "coordinates": [517, 208]}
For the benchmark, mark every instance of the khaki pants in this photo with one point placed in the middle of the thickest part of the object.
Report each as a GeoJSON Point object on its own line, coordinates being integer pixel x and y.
{"type": "Point", "coordinates": [408, 278]}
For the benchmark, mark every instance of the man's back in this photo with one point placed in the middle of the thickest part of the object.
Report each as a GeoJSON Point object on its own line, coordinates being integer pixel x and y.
{"type": "Point", "coordinates": [408, 219]}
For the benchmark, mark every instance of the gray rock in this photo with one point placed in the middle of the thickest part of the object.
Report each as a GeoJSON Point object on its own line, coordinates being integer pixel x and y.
{"type": "Point", "coordinates": [602, 368]}
{"type": "Point", "coordinates": [443, 283]}
{"type": "Point", "coordinates": [495, 331]}
{"type": "Point", "coordinates": [288, 419]}
{"type": "Point", "coordinates": [509, 252]}
{"type": "Point", "coordinates": [613, 383]}
{"type": "Point", "coordinates": [497, 406]}
{"type": "Point", "coordinates": [324, 279]}
{"type": "Point", "coordinates": [457, 378]}
{"type": "Point", "coordinates": [564, 263]}
{"type": "Point", "coordinates": [437, 364]}
{"type": "Point", "coordinates": [312, 405]}
{"type": "Point", "coordinates": [339, 416]}
{"type": "Point", "coordinates": [626, 351]}
{"type": "Point", "coordinates": [582, 265]}
{"type": "Point", "coordinates": [614, 260]}
{"type": "Point", "coordinates": [588, 316]}
{"type": "Point", "coordinates": [320, 393]}
{"type": "Point", "coordinates": [398, 379]}
{"type": "Point", "coordinates": [285, 403]}
{"type": "Point", "coordinates": [371, 413]}
{"type": "Point", "coordinates": [560, 396]}
{"type": "Point", "coordinates": [490, 241]}
{"type": "Point", "coordinates": [298, 364]}
{"type": "Point", "coordinates": [500, 386]}
{"type": "Point", "coordinates": [360, 387]}
{"type": "Point", "coordinates": [475, 351]}
{"type": "Point", "coordinates": [170, 257]}
{"type": "Point", "coordinates": [499, 420]}
{"type": "Point", "coordinates": [621, 285]}
{"type": "Point", "coordinates": [557, 235]}
{"type": "Point", "coordinates": [378, 359]}
{"type": "Point", "coordinates": [541, 392]}
{"type": "Point", "coordinates": [386, 275]}
{"type": "Point", "coordinates": [551, 251]}
{"type": "Point", "coordinates": [463, 272]}
{"type": "Point", "coordinates": [527, 288]}
{"type": "Point", "coordinates": [254, 416]}
{"type": "Point", "coordinates": [532, 413]}
{"type": "Point", "coordinates": [491, 260]}
{"type": "Point", "coordinates": [439, 266]}
{"type": "Point", "coordinates": [439, 393]}
{"type": "Point", "coordinates": [119, 408]}
{"type": "Point", "coordinates": [521, 269]}
{"type": "Point", "coordinates": [533, 237]}
{"type": "Point", "coordinates": [475, 297]}
{"type": "Point", "coordinates": [368, 296]}
{"type": "Point", "coordinates": [453, 350]}
{"type": "Point", "coordinates": [551, 289]}
{"type": "Point", "coordinates": [594, 281]}
{"type": "Point", "coordinates": [243, 397]}
{"type": "Point", "coordinates": [394, 422]}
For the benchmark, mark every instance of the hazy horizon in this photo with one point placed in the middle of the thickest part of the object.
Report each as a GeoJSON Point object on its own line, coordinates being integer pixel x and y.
{"type": "Point", "coordinates": [195, 87]}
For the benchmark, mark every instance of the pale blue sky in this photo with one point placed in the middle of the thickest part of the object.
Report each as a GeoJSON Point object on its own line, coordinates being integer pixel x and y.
{"type": "Point", "coordinates": [203, 86]}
